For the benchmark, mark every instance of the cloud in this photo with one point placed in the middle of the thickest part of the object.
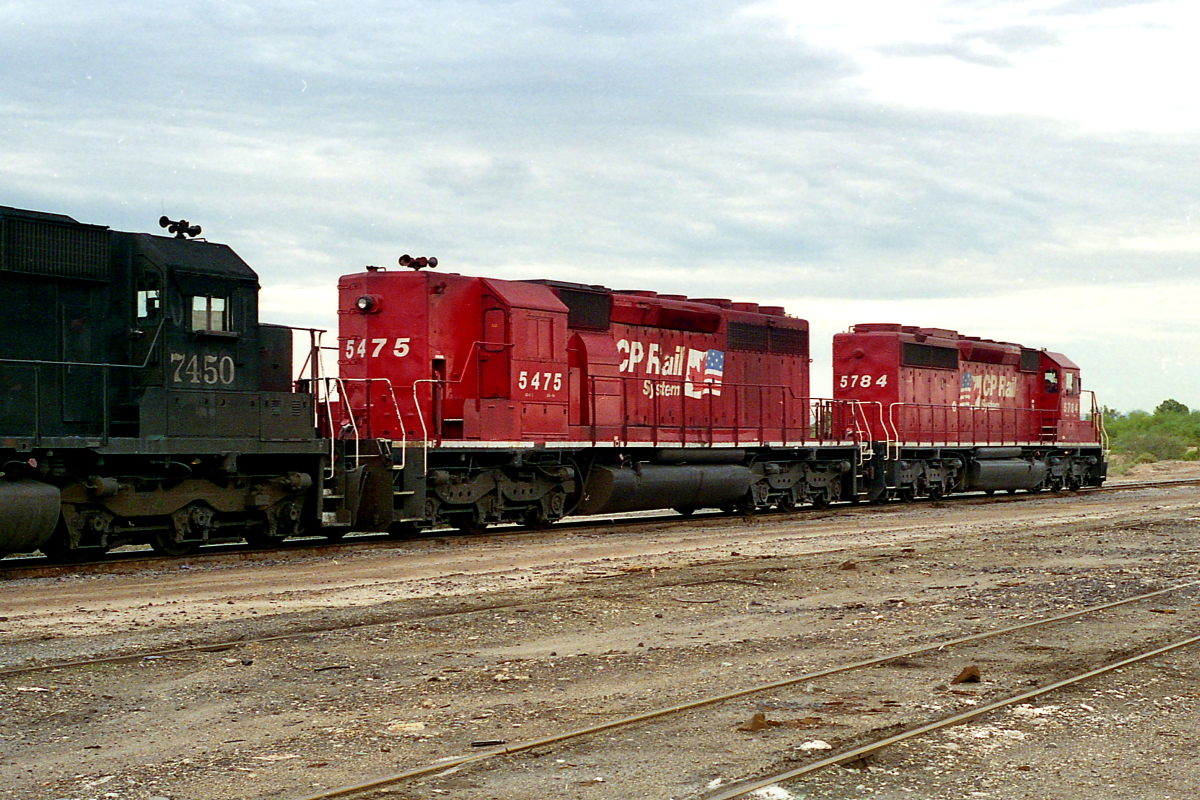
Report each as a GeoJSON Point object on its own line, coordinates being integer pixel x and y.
{"type": "Point", "coordinates": [987, 47]}
{"type": "Point", "coordinates": [964, 51]}
{"type": "Point", "coordinates": [708, 149]}
{"type": "Point", "coordinates": [1017, 38]}
{"type": "Point", "coordinates": [1086, 7]}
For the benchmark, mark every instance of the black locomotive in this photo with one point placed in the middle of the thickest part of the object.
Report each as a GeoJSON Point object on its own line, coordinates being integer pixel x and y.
{"type": "Point", "coordinates": [141, 396]}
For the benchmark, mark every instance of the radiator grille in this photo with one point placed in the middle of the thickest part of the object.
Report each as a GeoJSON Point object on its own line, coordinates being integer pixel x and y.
{"type": "Point", "coordinates": [34, 247]}
{"type": "Point", "coordinates": [588, 310]}
{"type": "Point", "coordinates": [925, 355]}
{"type": "Point", "coordinates": [767, 339]}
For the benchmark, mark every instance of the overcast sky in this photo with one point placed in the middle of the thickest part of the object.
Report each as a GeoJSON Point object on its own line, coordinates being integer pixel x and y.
{"type": "Point", "coordinates": [1023, 170]}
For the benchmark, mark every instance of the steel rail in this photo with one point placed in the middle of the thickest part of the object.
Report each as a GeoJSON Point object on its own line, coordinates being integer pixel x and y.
{"type": "Point", "coordinates": [862, 751]}
{"type": "Point", "coordinates": [18, 567]}
{"type": "Point", "coordinates": [230, 643]}
{"type": "Point", "coordinates": [458, 761]}
{"type": "Point", "coordinates": [227, 644]}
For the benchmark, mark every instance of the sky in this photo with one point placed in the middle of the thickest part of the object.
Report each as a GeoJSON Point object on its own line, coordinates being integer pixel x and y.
{"type": "Point", "coordinates": [1020, 170]}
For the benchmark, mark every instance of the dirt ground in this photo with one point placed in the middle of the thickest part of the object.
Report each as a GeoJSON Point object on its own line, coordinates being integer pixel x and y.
{"type": "Point", "coordinates": [394, 655]}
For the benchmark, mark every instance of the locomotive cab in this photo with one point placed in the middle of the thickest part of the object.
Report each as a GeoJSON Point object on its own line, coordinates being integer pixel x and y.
{"type": "Point", "coordinates": [1056, 395]}
{"type": "Point", "coordinates": [194, 325]}
{"type": "Point", "coordinates": [144, 402]}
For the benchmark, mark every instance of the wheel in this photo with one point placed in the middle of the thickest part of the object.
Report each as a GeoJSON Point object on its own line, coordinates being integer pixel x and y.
{"type": "Point", "coordinates": [263, 541]}
{"type": "Point", "coordinates": [164, 543]}
{"type": "Point", "coordinates": [786, 503]}
{"type": "Point", "coordinates": [685, 511]}
{"type": "Point", "coordinates": [334, 534]}
{"type": "Point", "coordinates": [883, 498]}
{"type": "Point", "coordinates": [989, 492]}
{"type": "Point", "coordinates": [1011, 491]}
{"type": "Point", "coordinates": [58, 548]}
{"type": "Point", "coordinates": [820, 500]}
{"type": "Point", "coordinates": [907, 494]}
{"type": "Point", "coordinates": [746, 505]}
{"type": "Point", "coordinates": [469, 524]}
{"type": "Point", "coordinates": [403, 530]}
{"type": "Point", "coordinates": [535, 518]}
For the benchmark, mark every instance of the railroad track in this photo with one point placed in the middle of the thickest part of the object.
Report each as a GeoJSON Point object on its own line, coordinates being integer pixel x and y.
{"type": "Point", "coordinates": [487, 764]}
{"type": "Point", "coordinates": [221, 645]}
{"type": "Point", "coordinates": [553, 717]}
{"type": "Point", "coordinates": [863, 751]}
{"type": "Point", "coordinates": [406, 616]}
{"type": "Point", "coordinates": [132, 560]}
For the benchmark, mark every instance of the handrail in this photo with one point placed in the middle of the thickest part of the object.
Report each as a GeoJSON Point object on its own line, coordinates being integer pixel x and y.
{"type": "Point", "coordinates": [48, 363]}
{"type": "Point", "coordinates": [352, 418]}
{"type": "Point", "coordinates": [661, 413]}
{"type": "Point", "coordinates": [864, 427]}
{"type": "Point", "coordinates": [1097, 414]}
{"type": "Point", "coordinates": [954, 424]}
{"type": "Point", "coordinates": [820, 415]}
{"type": "Point", "coordinates": [314, 350]}
{"type": "Point", "coordinates": [104, 367]}
{"type": "Point", "coordinates": [472, 357]}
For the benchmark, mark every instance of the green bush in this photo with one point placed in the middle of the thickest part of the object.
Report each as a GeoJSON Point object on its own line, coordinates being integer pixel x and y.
{"type": "Point", "coordinates": [1171, 433]}
{"type": "Point", "coordinates": [1158, 445]}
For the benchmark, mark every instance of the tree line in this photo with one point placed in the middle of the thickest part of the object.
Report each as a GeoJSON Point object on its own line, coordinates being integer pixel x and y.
{"type": "Point", "coordinates": [1171, 433]}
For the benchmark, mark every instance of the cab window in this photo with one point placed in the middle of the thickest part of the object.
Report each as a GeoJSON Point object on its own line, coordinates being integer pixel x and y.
{"type": "Point", "coordinates": [1050, 381]}
{"type": "Point", "coordinates": [149, 298]}
{"type": "Point", "coordinates": [1070, 384]}
{"type": "Point", "coordinates": [210, 313]}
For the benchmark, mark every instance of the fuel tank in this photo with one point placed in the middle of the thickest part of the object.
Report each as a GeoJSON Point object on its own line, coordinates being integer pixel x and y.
{"type": "Point", "coordinates": [1005, 473]}
{"type": "Point", "coordinates": [612, 490]}
{"type": "Point", "coordinates": [28, 513]}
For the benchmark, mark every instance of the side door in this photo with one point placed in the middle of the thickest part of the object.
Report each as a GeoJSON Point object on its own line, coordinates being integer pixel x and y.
{"type": "Point", "coordinates": [494, 351]}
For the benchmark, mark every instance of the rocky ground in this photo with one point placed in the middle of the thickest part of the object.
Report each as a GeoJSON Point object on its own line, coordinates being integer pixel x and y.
{"type": "Point", "coordinates": [418, 651]}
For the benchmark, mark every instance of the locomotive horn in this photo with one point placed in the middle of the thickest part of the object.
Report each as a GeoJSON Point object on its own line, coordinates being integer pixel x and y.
{"type": "Point", "coordinates": [181, 228]}
{"type": "Point", "coordinates": [420, 262]}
